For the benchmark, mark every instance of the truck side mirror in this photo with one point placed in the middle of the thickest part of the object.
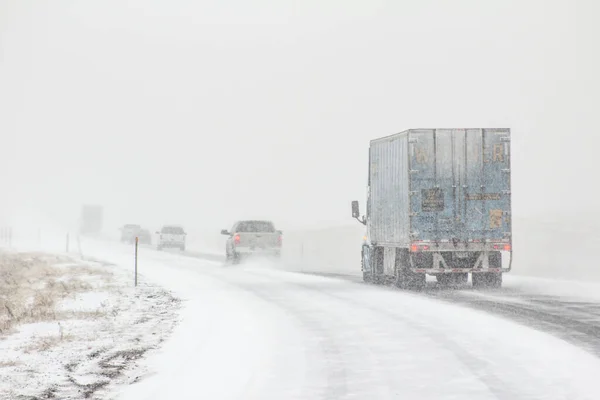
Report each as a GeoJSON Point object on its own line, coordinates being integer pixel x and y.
{"type": "Point", "coordinates": [224, 232]}
{"type": "Point", "coordinates": [355, 209]}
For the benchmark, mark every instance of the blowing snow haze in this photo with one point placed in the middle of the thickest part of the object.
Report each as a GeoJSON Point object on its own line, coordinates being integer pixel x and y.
{"type": "Point", "coordinates": [200, 113]}
{"type": "Point", "coordinates": [230, 141]}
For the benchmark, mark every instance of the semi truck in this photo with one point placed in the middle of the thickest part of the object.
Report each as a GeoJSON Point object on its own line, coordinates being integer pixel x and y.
{"type": "Point", "coordinates": [438, 204]}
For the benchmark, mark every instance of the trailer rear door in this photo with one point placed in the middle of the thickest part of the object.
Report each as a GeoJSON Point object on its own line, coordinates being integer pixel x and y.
{"type": "Point", "coordinates": [460, 184]}
{"type": "Point", "coordinates": [486, 192]}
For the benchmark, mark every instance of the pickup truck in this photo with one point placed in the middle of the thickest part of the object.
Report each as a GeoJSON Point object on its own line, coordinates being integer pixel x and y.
{"type": "Point", "coordinates": [252, 237]}
{"type": "Point", "coordinates": [171, 236]}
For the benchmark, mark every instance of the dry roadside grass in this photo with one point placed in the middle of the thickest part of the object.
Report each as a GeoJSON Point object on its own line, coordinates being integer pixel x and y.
{"type": "Point", "coordinates": [70, 328]}
{"type": "Point", "coordinates": [32, 284]}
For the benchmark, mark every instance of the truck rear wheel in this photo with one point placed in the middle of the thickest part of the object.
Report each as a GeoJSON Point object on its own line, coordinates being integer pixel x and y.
{"type": "Point", "coordinates": [405, 278]}
{"type": "Point", "coordinates": [443, 279]}
{"type": "Point", "coordinates": [495, 280]}
{"type": "Point", "coordinates": [377, 266]}
{"type": "Point", "coordinates": [487, 280]}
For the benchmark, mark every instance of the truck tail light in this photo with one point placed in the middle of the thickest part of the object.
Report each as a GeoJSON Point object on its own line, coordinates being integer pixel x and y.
{"type": "Point", "coordinates": [505, 247]}
{"type": "Point", "coordinates": [236, 239]}
{"type": "Point", "coordinates": [416, 248]}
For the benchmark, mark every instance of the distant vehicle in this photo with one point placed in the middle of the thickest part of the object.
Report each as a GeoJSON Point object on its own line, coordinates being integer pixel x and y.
{"type": "Point", "coordinates": [252, 238]}
{"type": "Point", "coordinates": [439, 203]}
{"type": "Point", "coordinates": [90, 220]}
{"type": "Point", "coordinates": [145, 237]}
{"type": "Point", "coordinates": [129, 232]}
{"type": "Point", "coordinates": [172, 236]}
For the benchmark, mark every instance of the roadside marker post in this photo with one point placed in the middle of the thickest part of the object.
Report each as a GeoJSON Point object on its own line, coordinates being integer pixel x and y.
{"type": "Point", "coordinates": [67, 246]}
{"type": "Point", "coordinates": [136, 258]}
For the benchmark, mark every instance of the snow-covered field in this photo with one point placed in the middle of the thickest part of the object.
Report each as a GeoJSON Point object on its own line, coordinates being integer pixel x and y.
{"type": "Point", "coordinates": [72, 329]}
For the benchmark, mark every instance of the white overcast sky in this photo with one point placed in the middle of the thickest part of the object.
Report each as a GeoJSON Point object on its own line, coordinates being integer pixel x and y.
{"type": "Point", "coordinates": [202, 112]}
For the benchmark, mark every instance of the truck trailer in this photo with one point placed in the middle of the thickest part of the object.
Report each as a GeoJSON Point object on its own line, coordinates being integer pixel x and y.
{"type": "Point", "coordinates": [438, 203]}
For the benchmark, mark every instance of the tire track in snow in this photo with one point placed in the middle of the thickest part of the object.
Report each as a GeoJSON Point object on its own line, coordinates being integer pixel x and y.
{"type": "Point", "coordinates": [337, 387]}
{"type": "Point", "coordinates": [479, 367]}
{"type": "Point", "coordinates": [471, 363]}
{"type": "Point", "coordinates": [578, 325]}
{"type": "Point", "coordinates": [335, 367]}
{"type": "Point", "coordinates": [337, 356]}
{"type": "Point", "coordinates": [569, 327]}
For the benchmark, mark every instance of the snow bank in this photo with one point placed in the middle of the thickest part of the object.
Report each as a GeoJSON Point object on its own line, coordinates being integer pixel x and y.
{"type": "Point", "coordinates": [75, 328]}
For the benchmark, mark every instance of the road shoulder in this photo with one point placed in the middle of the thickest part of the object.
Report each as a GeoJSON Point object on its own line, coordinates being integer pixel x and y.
{"type": "Point", "coordinates": [75, 329]}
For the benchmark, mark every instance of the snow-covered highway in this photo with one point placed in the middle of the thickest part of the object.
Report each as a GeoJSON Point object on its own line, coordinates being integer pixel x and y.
{"type": "Point", "coordinates": [256, 332]}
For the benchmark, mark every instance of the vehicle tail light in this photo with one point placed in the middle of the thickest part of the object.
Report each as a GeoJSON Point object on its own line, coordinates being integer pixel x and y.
{"type": "Point", "coordinates": [416, 248]}
{"type": "Point", "coordinates": [236, 239]}
{"type": "Point", "coordinates": [505, 247]}
{"type": "Point", "coordinates": [279, 240]}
